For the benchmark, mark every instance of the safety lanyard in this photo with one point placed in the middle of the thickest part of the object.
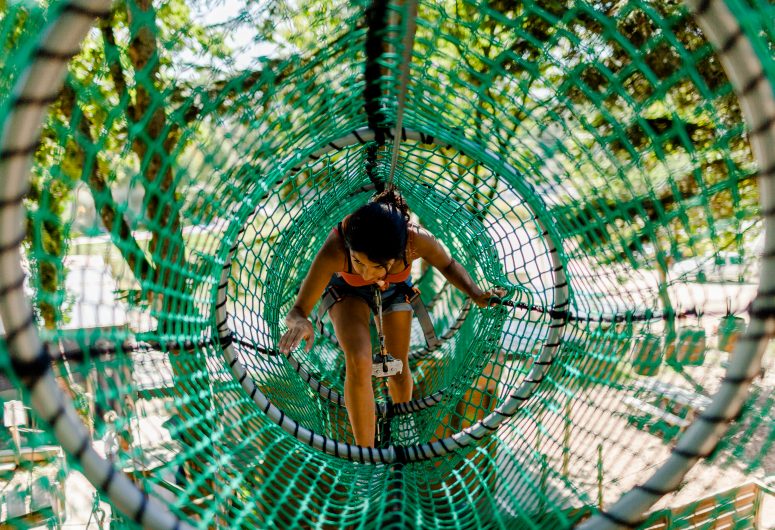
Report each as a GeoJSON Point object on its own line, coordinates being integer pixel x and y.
{"type": "Point", "coordinates": [378, 322]}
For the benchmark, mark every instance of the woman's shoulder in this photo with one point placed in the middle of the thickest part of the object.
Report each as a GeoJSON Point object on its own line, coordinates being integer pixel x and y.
{"type": "Point", "coordinates": [333, 247]}
{"type": "Point", "coordinates": [420, 232]}
{"type": "Point", "coordinates": [419, 240]}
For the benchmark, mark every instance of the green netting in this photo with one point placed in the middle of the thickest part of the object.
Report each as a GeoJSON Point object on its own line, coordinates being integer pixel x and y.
{"type": "Point", "coordinates": [592, 158]}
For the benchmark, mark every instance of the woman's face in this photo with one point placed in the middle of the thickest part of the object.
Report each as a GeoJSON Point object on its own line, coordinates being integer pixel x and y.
{"type": "Point", "coordinates": [369, 270]}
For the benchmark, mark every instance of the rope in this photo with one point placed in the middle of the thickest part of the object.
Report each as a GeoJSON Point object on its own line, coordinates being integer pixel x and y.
{"type": "Point", "coordinates": [376, 15]}
{"type": "Point", "coordinates": [409, 21]}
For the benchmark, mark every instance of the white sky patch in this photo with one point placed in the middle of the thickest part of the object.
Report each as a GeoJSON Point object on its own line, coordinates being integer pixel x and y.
{"type": "Point", "coordinates": [242, 36]}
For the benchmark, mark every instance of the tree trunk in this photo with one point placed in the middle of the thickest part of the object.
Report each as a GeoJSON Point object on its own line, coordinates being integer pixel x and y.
{"type": "Point", "coordinates": [100, 190]}
{"type": "Point", "coordinates": [155, 147]}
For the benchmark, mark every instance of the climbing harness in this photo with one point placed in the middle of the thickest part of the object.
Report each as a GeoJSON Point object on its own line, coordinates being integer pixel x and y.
{"type": "Point", "coordinates": [412, 295]}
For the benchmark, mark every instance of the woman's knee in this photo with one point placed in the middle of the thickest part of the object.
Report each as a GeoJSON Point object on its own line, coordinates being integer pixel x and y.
{"type": "Point", "coordinates": [358, 364]}
{"type": "Point", "coordinates": [405, 377]}
{"type": "Point", "coordinates": [351, 323]}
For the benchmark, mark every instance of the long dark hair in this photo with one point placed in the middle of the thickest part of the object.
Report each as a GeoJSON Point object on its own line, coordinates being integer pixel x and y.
{"type": "Point", "coordinates": [379, 228]}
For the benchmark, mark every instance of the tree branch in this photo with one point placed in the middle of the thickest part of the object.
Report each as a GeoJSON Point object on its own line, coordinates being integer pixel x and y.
{"type": "Point", "coordinates": [98, 186]}
{"type": "Point", "coordinates": [113, 58]}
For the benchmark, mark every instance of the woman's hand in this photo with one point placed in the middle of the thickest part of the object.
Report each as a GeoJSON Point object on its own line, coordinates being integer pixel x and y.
{"type": "Point", "coordinates": [299, 328]}
{"type": "Point", "coordinates": [490, 298]}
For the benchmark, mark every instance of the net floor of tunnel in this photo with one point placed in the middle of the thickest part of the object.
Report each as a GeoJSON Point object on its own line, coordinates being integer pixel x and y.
{"type": "Point", "coordinates": [587, 301]}
{"type": "Point", "coordinates": [652, 409]}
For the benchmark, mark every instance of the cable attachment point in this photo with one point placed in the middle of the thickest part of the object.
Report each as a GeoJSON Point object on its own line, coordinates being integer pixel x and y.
{"type": "Point", "coordinates": [385, 365]}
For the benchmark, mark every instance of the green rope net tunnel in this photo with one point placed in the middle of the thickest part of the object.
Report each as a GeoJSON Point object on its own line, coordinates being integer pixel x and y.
{"type": "Point", "coordinates": [610, 164]}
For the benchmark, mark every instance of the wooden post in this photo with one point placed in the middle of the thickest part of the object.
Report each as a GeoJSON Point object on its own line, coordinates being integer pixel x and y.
{"type": "Point", "coordinates": [544, 467]}
{"type": "Point", "coordinates": [730, 328]}
{"type": "Point", "coordinates": [15, 416]}
{"type": "Point", "coordinates": [600, 476]}
{"type": "Point", "coordinates": [17, 443]}
{"type": "Point", "coordinates": [539, 422]}
{"type": "Point", "coordinates": [566, 437]}
{"type": "Point", "coordinates": [692, 345]}
{"type": "Point", "coordinates": [647, 354]}
{"type": "Point", "coordinates": [91, 402]}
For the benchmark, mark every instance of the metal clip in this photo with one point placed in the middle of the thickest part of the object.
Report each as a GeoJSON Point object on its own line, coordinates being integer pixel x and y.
{"type": "Point", "coordinates": [385, 365]}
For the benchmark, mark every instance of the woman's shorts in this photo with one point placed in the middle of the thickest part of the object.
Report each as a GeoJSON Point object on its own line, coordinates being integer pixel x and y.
{"type": "Point", "coordinates": [395, 298]}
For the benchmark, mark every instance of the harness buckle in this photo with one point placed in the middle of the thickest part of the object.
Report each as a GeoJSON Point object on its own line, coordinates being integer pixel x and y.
{"type": "Point", "coordinates": [414, 294]}
{"type": "Point", "coordinates": [333, 292]}
{"type": "Point", "coordinates": [330, 297]}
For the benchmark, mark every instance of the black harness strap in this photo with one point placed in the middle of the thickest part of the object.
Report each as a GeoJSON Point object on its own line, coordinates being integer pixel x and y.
{"type": "Point", "coordinates": [330, 297]}
{"type": "Point", "coordinates": [421, 312]}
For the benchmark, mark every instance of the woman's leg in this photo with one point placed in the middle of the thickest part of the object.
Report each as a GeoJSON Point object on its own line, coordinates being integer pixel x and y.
{"type": "Point", "coordinates": [351, 323]}
{"type": "Point", "coordinates": [398, 327]}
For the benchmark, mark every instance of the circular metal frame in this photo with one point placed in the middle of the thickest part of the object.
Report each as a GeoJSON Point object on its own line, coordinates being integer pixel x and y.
{"type": "Point", "coordinates": [392, 454]}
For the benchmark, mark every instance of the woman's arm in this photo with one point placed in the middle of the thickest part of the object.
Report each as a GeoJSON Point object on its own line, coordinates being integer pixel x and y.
{"type": "Point", "coordinates": [428, 248]}
{"type": "Point", "coordinates": [327, 261]}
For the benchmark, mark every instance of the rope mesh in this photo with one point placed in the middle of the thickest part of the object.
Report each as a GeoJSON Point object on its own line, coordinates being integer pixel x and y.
{"type": "Point", "coordinates": [592, 158]}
